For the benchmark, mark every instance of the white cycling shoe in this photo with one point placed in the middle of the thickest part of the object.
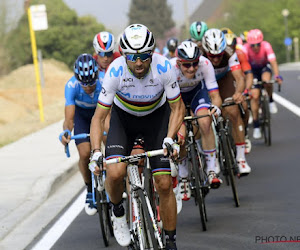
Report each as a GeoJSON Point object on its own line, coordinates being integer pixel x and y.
{"type": "Point", "coordinates": [273, 108]}
{"type": "Point", "coordinates": [89, 206]}
{"type": "Point", "coordinates": [244, 168]}
{"type": "Point", "coordinates": [256, 133]}
{"type": "Point", "coordinates": [184, 188]}
{"type": "Point", "coordinates": [213, 180]}
{"type": "Point", "coordinates": [177, 193]}
{"type": "Point", "coordinates": [248, 145]}
{"type": "Point", "coordinates": [121, 230]}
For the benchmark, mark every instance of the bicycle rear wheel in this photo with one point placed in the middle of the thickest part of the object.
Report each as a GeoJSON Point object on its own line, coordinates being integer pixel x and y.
{"type": "Point", "coordinates": [196, 181]}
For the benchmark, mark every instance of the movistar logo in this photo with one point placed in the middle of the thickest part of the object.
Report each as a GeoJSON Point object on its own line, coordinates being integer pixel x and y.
{"type": "Point", "coordinates": [71, 84]}
{"type": "Point", "coordinates": [115, 72]}
{"type": "Point", "coordinates": [163, 69]}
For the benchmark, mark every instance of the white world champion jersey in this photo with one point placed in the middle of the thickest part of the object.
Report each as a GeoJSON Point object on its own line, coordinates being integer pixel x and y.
{"type": "Point", "coordinates": [137, 96]}
{"type": "Point", "coordinates": [205, 74]}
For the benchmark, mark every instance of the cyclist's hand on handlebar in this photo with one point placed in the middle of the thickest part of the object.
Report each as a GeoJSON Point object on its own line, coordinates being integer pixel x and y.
{"type": "Point", "coordinates": [65, 137]}
{"type": "Point", "coordinates": [96, 162]}
{"type": "Point", "coordinates": [175, 147]}
{"type": "Point", "coordinates": [278, 79]}
{"type": "Point", "coordinates": [214, 110]}
{"type": "Point", "coordinates": [238, 97]}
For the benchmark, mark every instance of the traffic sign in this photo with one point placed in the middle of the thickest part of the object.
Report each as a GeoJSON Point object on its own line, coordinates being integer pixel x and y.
{"type": "Point", "coordinates": [288, 41]}
{"type": "Point", "coordinates": [39, 17]}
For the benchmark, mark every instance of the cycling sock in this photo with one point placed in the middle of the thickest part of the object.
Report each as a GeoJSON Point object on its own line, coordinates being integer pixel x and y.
{"type": "Point", "coordinates": [240, 150]}
{"type": "Point", "coordinates": [271, 99]}
{"type": "Point", "coordinates": [183, 168]}
{"type": "Point", "coordinates": [118, 209]}
{"type": "Point", "coordinates": [89, 187]}
{"type": "Point", "coordinates": [256, 123]}
{"type": "Point", "coordinates": [170, 239]}
{"type": "Point", "coordinates": [210, 156]}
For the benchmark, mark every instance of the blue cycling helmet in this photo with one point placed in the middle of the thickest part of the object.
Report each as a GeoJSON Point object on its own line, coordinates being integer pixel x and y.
{"type": "Point", "coordinates": [86, 69]}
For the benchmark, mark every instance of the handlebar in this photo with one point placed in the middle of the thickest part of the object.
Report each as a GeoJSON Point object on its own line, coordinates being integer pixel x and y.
{"type": "Point", "coordinates": [76, 137]}
{"type": "Point", "coordinates": [262, 83]}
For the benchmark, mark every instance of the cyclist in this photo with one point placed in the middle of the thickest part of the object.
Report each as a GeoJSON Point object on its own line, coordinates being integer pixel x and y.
{"type": "Point", "coordinates": [197, 82]}
{"type": "Point", "coordinates": [246, 68]}
{"type": "Point", "coordinates": [81, 94]}
{"type": "Point", "coordinates": [140, 84]}
{"type": "Point", "coordinates": [263, 60]}
{"type": "Point", "coordinates": [104, 45]}
{"type": "Point", "coordinates": [228, 70]}
{"type": "Point", "coordinates": [197, 30]}
{"type": "Point", "coordinates": [172, 44]}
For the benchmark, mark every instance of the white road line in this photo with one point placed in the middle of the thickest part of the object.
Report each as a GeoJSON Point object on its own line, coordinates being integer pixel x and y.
{"type": "Point", "coordinates": [287, 104]}
{"type": "Point", "coordinates": [61, 225]}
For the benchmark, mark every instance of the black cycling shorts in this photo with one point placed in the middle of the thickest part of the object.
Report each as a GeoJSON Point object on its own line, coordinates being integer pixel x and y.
{"type": "Point", "coordinates": [125, 128]}
{"type": "Point", "coordinates": [82, 122]}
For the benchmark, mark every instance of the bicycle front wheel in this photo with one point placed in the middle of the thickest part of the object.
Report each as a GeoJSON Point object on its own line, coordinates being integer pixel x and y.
{"type": "Point", "coordinates": [103, 209]}
{"type": "Point", "coordinates": [147, 223]}
{"type": "Point", "coordinates": [267, 122]}
{"type": "Point", "coordinates": [199, 198]}
{"type": "Point", "coordinates": [230, 166]}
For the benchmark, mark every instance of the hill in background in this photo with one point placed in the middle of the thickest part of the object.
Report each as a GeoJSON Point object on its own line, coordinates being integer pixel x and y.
{"type": "Point", "coordinates": [19, 102]}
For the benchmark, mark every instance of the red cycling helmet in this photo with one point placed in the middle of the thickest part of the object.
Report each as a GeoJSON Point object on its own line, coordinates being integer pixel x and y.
{"type": "Point", "coordinates": [255, 36]}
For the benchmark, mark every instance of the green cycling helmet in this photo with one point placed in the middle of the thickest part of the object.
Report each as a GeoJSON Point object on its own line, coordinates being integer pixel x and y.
{"type": "Point", "coordinates": [197, 30]}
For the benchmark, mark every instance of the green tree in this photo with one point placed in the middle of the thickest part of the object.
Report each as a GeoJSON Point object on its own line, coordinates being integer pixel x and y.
{"type": "Point", "coordinates": [264, 15]}
{"type": "Point", "coordinates": [155, 14]}
{"type": "Point", "coordinates": [67, 36]}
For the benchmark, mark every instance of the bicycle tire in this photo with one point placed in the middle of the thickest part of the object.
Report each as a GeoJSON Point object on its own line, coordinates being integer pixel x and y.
{"type": "Point", "coordinates": [199, 199]}
{"type": "Point", "coordinates": [148, 224]}
{"type": "Point", "coordinates": [267, 122]}
{"type": "Point", "coordinates": [104, 218]}
{"type": "Point", "coordinates": [229, 164]}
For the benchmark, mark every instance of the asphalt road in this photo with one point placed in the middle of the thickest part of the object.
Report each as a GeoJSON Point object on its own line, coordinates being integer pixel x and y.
{"type": "Point", "coordinates": [269, 198]}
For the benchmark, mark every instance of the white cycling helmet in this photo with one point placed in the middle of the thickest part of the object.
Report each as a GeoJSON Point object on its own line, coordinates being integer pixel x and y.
{"type": "Point", "coordinates": [137, 38]}
{"type": "Point", "coordinates": [188, 51]}
{"type": "Point", "coordinates": [214, 41]}
{"type": "Point", "coordinates": [104, 42]}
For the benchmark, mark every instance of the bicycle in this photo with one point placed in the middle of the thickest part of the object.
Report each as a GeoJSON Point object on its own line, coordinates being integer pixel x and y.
{"type": "Point", "coordinates": [227, 150]}
{"type": "Point", "coordinates": [144, 230]}
{"type": "Point", "coordinates": [99, 196]}
{"type": "Point", "coordinates": [198, 176]}
{"type": "Point", "coordinates": [264, 115]}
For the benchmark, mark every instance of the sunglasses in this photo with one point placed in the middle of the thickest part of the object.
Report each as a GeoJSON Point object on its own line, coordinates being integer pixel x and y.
{"type": "Point", "coordinates": [143, 57]}
{"type": "Point", "coordinates": [255, 45]}
{"type": "Point", "coordinates": [213, 56]}
{"type": "Point", "coordinates": [87, 84]}
{"type": "Point", "coordinates": [190, 64]}
{"type": "Point", "coordinates": [108, 54]}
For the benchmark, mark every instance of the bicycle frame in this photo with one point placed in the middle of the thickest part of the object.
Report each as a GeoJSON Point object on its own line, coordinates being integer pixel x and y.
{"type": "Point", "coordinates": [136, 190]}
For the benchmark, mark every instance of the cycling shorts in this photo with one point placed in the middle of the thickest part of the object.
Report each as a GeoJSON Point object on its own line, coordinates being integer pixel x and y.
{"type": "Point", "coordinates": [197, 98]}
{"type": "Point", "coordinates": [258, 72]}
{"type": "Point", "coordinates": [125, 128]}
{"type": "Point", "coordinates": [82, 122]}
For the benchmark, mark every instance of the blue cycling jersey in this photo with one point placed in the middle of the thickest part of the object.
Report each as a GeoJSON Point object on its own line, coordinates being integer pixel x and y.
{"type": "Point", "coordinates": [75, 94]}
